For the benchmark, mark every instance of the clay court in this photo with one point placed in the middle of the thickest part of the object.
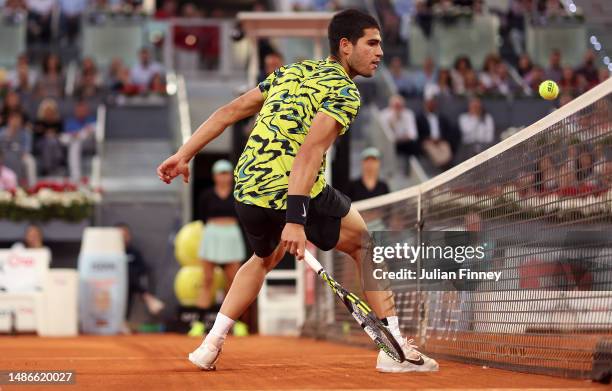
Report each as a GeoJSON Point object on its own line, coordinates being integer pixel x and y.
{"type": "Point", "coordinates": [158, 362]}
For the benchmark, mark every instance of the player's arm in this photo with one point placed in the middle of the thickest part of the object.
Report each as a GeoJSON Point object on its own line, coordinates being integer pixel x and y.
{"type": "Point", "coordinates": [242, 107]}
{"type": "Point", "coordinates": [322, 134]}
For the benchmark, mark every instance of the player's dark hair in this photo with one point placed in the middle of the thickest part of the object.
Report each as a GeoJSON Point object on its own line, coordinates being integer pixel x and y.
{"type": "Point", "coordinates": [348, 24]}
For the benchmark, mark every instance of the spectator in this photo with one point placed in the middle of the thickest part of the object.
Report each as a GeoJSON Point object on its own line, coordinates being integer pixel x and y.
{"type": "Point", "coordinates": [604, 74]}
{"type": "Point", "coordinates": [555, 70]}
{"type": "Point", "coordinates": [33, 238]}
{"type": "Point", "coordinates": [602, 167]}
{"type": "Point", "coordinates": [88, 85]}
{"type": "Point", "coordinates": [505, 85]}
{"type": "Point", "coordinates": [272, 61]}
{"type": "Point", "coordinates": [143, 71]}
{"type": "Point", "coordinates": [158, 85]}
{"type": "Point", "coordinates": [119, 78]}
{"type": "Point", "coordinates": [168, 10]}
{"type": "Point", "coordinates": [567, 82]}
{"type": "Point", "coordinates": [488, 77]}
{"type": "Point", "coordinates": [524, 65]}
{"type": "Point", "coordinates": [15, 132]}
{"type": "Point", "coordinates": [70, 18]}
{"type": "Point", "coordinates": [567, 181]}
{"type": "Point", "coordinates": [584, 170]}
{"type": "Point", "coordinates": [14, 7]}
{"type": "Point", "coordinates": [8, 178]}
{"type": "Point", "coordinates": [16, 144]}
{"type": "Point", "coordinates": [369, 185]}
{"type": "Point", "coordinates": [460, 70]}
{"type": "Point", "coordinates": [546, 175]}
{"type": "Point", "coordinates": [137, 275]}
{"type": "Point", "coordinates": [442, 86]}
{"type": "Point", "coordinates": [47, 147]}
{"type": "Point", "coordinates": [471, 84]}
{"type": "Point", "coordinates": [401, 121]}
{"type": "Point", "coordinates": [582, 84]}
{"type": "Point", "coordinates": [22, 78]}
{"type": "Point", "coordinates": [588, 69]}
{"type": "Point", "coordinates": [39, 20]}
{"type": "Point", "coordinates": [477, 130]}
{"type": "Point", "coordinates": [78, 136]}
{"type": "Point", "coordinates": [424, 17]}
{"type": "Point", "coordinates": [12, 103]}
{"type": "Point", "coordinates": [51, 82]}
{"type": "Point", "coordinates": [400, 78]}
{"type": "Point", "coordinates": [190, 10]}
{"type": "Point", "coordinates": [438, 138]}
{"type": "Point", "coordinates": [420, 79]}
{"type": "Point", "coordinates": [390, 21]}
{"type": "Point", "coordinates": [534, 78]}
{"type": "Point", "coordinates": [222, 242]}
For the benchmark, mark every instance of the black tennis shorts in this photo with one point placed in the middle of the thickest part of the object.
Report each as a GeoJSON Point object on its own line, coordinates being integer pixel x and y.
{"type": "Point", "coordinates": [263, 226]}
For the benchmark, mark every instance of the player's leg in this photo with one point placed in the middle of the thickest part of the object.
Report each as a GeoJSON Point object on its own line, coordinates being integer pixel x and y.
{"type": "Point", "coordinates": [242, 293]}
{"type": "Point", "coordinates": [355, 241]}
{"type": "Point", "coordinates": [248, 282]}
{"type": "Point", "coordinates": [230, 270]}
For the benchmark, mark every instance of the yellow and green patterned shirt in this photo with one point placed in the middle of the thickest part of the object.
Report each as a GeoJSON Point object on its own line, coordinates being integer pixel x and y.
{"type": "Point", "coordinates": [293, 95]}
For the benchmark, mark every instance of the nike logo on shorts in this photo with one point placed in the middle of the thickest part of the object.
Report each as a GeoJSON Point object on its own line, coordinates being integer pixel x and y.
{"type": "Point", "coordinates": [304, 214]}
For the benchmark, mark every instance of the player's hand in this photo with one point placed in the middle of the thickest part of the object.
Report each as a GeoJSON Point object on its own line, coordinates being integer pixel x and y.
{"type": "Point", "coordinates": [293, 239]}
{"type": "Point", "coordinates": [172, 167]}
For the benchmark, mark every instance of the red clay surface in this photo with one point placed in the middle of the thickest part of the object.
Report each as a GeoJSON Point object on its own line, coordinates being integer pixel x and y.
{"type": "Point", "coordinates": [159, 362]}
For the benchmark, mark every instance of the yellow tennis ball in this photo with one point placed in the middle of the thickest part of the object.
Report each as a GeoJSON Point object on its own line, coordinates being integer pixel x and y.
{"type": "Point", "coordinates": [549, 90]}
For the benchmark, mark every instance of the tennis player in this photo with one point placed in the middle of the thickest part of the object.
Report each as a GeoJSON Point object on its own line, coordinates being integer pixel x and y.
{"type": "Point", "coordinates": [280, 191]}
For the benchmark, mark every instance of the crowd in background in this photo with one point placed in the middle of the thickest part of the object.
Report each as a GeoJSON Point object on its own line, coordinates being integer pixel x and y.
{"type": "Point", "coordinates": [46, 126]}
{"type": "Point", "coordinates": [496, 77]}
{"type": "Point", "coordinates": [41, 135]}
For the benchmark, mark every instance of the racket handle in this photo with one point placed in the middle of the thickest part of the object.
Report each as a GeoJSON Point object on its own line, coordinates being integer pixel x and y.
{"type": "Point", "coordinates": [312, 262]}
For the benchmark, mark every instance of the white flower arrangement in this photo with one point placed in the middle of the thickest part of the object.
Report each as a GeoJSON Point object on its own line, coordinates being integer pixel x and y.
{"type": "Point", "coordinates": [49, 201]}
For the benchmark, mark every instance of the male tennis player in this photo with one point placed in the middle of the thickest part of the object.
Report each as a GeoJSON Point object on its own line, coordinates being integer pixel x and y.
{"type": "Point", "coordinates": [281, 195]}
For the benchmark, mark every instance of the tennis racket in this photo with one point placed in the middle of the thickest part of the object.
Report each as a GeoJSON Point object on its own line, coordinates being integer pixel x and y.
{"type": "Point", "coordinates": [362, 313]}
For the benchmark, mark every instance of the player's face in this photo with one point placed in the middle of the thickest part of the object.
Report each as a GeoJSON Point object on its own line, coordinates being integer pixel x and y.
{"type": "Point", "coordinates": [366, 54]}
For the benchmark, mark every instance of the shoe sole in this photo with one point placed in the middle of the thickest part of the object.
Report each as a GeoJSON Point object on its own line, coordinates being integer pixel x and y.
{"type": "Point", "coordinates": [202, 367]}
{"type": "Point", "coordinates": [409, 369]}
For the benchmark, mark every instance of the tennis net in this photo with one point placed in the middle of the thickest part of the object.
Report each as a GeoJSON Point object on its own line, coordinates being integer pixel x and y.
{"type": "Point", "coordinates": [543, 200]}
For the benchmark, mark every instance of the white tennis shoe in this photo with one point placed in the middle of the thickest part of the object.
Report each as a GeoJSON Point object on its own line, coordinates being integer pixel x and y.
{"type": "Point", "coordinates": [415, 360]}
{"type": "Point", "coordinates": [205, 357]}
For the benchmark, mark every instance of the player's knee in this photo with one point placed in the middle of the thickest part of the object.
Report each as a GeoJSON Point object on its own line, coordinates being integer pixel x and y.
{"type": "Point", "coordinates": [361, 246]}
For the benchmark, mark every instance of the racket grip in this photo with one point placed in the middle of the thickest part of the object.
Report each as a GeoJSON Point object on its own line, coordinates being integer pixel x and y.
{"type": "Point", "coordinates": [312, 262]}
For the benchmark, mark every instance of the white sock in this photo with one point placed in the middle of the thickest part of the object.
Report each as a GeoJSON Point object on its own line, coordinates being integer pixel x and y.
{"type": "Point", "coordinates": [393, 326]}
{"type": "Point", "coordinates": [219, 331]}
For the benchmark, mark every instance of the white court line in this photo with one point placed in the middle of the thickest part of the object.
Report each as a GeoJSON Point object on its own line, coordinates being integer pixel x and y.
{"type": "Point", "coordinates": [55, 358]}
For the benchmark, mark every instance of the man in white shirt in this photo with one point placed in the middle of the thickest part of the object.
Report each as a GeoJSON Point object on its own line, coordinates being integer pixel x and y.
{"type": "Point", "coordinates": [401, 121]}
{"type": "Point", "coordinates": [438, 137]}
{"type": "Point", "coordinates": [8, 178]}
{"type": "Point", "coordinates": [143, 71]}
{"type": "Point", "coordinates": [477, 129]}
